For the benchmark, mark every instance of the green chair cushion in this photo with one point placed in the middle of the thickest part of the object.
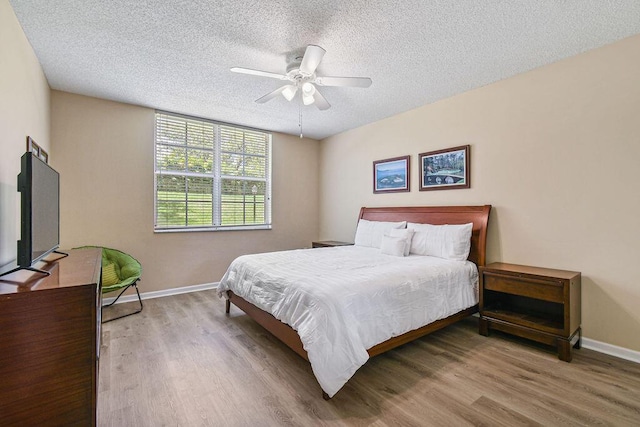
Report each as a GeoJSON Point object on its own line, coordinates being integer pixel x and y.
{"type": "Point", "coordinates": [109, 275]}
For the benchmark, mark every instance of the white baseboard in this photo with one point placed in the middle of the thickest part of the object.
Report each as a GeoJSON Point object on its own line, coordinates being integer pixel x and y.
{"type": "Point", "coordinates": [612, 350]}
{"type": "Point", "coordinates": [601, 347]}
{"type": "Point", "coordinates": [163, 293]}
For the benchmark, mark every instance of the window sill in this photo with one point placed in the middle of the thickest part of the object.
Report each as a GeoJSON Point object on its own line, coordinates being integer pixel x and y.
{"type": "Point", "coordinates": [219, 228]}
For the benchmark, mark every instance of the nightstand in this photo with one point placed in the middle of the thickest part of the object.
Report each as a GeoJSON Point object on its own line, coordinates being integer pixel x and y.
{"type": "Point", "coordinates": [329, 244]}
{"type": "Point", "coordinates": [540, 304]}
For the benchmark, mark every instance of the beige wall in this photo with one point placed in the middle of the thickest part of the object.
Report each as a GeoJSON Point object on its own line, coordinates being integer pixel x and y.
{"type": "Point", "coordinates": [24, 110]}
{"type": "Point", "coordinates": [556, 151]}
{"type": "Point", "coordinates": [104, 153]}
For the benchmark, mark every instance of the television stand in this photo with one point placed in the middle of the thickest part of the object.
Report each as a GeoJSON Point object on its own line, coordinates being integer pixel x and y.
{"type": "Point", "coordinates": [64, 255]}
{"type": "Point", "coordinates": [37, 270]}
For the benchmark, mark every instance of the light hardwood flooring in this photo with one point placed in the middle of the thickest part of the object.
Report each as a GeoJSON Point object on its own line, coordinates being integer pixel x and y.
{"type": "Point", "coordinates": [183, 362]}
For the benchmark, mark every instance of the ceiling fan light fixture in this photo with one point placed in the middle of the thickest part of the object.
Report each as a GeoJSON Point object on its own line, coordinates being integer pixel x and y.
{"type": "Point", "coordinates": [301, 77]}
{"type": "Point", "coordinates": [308, 90]}
{"type": "Point", "coordinates": [307, 99]}
{"type": "Point", "coordinates": [289, 92]}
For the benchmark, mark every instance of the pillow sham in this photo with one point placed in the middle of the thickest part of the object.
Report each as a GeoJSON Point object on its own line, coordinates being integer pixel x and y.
{"type": "Point", "coordinates": [406, 234]}
{"type": "Point", "coordinates": [393, 245]}
{"type": "Point", "coordinates": [369, 233]}
{"type": "Point", "coordinates": [443, 241]}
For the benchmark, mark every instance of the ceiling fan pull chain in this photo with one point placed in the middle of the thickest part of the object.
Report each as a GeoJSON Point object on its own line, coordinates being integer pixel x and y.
{"type": "Point", "coordinates": [300, 120]}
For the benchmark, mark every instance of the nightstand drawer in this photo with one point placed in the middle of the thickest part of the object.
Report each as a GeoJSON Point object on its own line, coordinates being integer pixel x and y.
{"type": "Point", "coordinates": [546, 290]}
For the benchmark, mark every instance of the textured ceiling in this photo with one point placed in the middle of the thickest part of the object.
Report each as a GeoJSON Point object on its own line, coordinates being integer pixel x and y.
{"type": "Point", "coordinates": [176, 55]}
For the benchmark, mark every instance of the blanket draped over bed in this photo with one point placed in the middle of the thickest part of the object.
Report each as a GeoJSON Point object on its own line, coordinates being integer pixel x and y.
{"type": "Point", "coordinates": [344, 300]}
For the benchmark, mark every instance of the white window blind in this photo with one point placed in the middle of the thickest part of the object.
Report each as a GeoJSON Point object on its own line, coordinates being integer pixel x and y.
{"type": "Point", "coordinates": [210, 176]}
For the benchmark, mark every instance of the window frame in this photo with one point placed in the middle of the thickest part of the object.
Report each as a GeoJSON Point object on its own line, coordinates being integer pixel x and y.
{"type": "Point", "coordinates": [217, 177]}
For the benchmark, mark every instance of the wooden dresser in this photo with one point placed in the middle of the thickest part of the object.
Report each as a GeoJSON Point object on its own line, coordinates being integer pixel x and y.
{"type": "Point", "coordinates": [50, 342]}
{"type": "Point", "coordinates": [540, 304]}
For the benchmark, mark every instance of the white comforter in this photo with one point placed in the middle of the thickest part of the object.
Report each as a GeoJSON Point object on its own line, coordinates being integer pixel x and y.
{"type": "Point", "coordinates": [344, 300]}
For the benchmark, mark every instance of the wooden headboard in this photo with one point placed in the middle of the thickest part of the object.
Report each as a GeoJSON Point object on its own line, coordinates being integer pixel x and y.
{"type": "Point", "coordinates": [437, 215]}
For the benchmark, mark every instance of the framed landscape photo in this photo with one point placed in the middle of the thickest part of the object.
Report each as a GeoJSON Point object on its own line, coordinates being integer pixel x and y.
{"type": "Point", "coordinates": [445, 169]}
{"type": "Point", "coordinates": [391, 175]}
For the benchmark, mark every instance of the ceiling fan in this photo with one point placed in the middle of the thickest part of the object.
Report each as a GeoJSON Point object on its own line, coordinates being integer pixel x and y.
{"type": "Point", "coordinates": [301, 76]}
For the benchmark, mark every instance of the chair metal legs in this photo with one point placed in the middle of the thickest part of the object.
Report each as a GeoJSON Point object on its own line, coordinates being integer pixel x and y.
{"type": "Point", "coordinates": [135, 285]}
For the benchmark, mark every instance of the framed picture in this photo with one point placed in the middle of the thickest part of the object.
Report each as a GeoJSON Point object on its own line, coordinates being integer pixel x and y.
{"type": "Point", "coordinates": [32, 147]}
{"type": "Point", "coordinates": [391, 175]}
{"type": "Point", "coordinates": [445, 169]}
{"type": "Point", "coordinates": [44, 156]}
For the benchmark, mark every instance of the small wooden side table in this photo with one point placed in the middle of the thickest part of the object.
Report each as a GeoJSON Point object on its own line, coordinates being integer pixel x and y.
{"type": "Point", "coordinates": [536, 303]}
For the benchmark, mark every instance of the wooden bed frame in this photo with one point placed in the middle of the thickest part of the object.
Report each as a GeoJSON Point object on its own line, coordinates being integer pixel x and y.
{"type": "Point", "coordinates": [478, 215]}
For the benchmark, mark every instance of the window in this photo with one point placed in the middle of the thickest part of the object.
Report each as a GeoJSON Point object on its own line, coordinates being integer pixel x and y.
{"type": "Point", "coordinates": [210, 176]}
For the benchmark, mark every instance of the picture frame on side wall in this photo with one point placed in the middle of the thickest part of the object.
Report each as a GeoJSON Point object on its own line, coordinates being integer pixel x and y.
{"type": "Point", "coordinates": [445, 169]}
{"type": "Point", "coordinates": [32, 147]}
{"type": "Point", "coordinates": [44, 156]}
{"type": "Point", "coordinates": [392, 175]}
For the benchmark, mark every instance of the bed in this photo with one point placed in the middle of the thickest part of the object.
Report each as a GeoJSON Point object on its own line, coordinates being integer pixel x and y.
{"type": "Point", "coordinates": [347, 304]}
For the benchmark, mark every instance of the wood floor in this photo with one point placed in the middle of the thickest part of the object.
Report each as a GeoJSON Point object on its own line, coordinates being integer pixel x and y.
{"type": "Point", "coordinates": [183, 362]}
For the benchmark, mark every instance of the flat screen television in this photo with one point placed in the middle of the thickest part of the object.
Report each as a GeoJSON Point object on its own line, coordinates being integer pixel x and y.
{"type": "Point", "coordinates": [39, 187]}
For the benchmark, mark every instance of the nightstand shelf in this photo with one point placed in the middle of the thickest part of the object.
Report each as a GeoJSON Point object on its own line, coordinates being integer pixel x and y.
{"type": "Point", "coordinates": [329, 244]}
{"type": "Point", "coordinates": [535, 303]}
{"type": "Point", "coordinates": [525, 319]}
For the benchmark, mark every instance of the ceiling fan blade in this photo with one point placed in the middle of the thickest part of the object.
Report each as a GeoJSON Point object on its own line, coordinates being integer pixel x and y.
{"type": "Point", "coordinates": [311, 59]}
{"type": "Point", "coordinates": [320, 101]}
{"type": "Point", "coordinates": [344, 81]}
{"type": "Point", "coordinates": [271, 95]}
{"type": "Point", "coordinates": [258, 73]}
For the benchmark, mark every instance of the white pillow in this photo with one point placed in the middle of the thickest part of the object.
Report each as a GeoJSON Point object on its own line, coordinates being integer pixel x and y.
{"type": "Point", "coordinates": [393, 245]}
{"type": "Point", "coordinates": [369, 233]}
{"type": "Point", "coordinates": [443, 241]}
{"type": "Point", "coordinates": [406, 234]}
